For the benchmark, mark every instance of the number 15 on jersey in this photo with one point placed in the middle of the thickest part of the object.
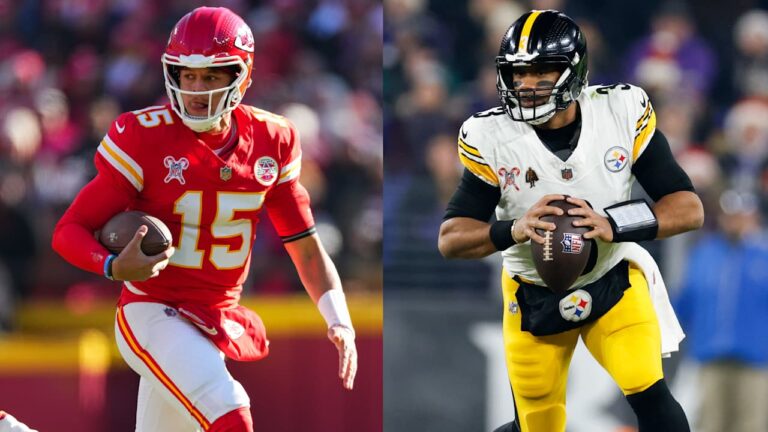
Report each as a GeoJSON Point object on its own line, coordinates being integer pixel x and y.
{"type": "Point", "coordinates": [190, 254]}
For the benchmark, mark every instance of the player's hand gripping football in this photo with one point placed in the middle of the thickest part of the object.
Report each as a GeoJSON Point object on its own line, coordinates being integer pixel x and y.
{"type": "Point", "coordinates": [133, 265]}
{"type": "Point", "coordinates": [525, 227]}
{"type": "Point", "coordinates": [601, 228]}
{"type": "Point", "coordinates": [344, 339]}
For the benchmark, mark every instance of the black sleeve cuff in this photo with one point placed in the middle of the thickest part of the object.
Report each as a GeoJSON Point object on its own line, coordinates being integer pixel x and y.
{"type": "Point", "coordinates": [301, 235]}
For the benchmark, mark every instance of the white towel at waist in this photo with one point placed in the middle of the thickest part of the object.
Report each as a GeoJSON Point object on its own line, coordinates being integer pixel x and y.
{"type": "Point", "coordinates": [671, 332]}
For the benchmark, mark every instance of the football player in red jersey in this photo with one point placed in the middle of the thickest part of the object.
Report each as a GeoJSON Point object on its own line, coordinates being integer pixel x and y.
{"type": "Point", "coordinates": [206, 166]}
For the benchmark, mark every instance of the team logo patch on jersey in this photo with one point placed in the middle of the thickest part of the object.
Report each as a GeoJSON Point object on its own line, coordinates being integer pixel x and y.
{"type": "Point", "coordinates": [576, 306]}
{"type": "Point", "coordinates": [266, 170]}
{"type": "Point", "coordinates": [572, 243]}
{"type": "Point", "coordinates": [508, 177]}
{"type": "Point", "coordinates": [175, 169]}
{"type": "Point", "coordinates": [616, 158]}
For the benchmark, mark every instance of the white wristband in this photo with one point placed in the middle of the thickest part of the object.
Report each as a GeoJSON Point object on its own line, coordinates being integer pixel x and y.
{"type": "Point", "coordinates": [333, 307]}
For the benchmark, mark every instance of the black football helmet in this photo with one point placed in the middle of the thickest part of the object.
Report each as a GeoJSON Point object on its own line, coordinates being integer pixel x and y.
{"type": "Point", "coordinates": [541, 37]}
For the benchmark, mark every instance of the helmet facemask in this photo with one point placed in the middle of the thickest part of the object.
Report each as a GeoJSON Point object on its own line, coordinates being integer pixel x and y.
{"type": "Point", "coordinates": [546, 100]}
{"type": "Point", "coordinates": [232, 94]}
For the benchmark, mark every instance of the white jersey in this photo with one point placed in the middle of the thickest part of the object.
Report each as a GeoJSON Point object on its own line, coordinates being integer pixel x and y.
{"type": "Point", "coordinates": [617, 122]}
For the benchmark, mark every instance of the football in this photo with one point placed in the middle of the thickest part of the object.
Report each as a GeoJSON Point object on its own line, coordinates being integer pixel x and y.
{"type": "Point", "coordinates": [565, 253]}
{"type": "Point", "coordinates": [119, 231]}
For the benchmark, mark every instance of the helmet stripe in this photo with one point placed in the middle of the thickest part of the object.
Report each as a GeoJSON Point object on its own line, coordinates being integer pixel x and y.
{"type": "Point", "coordinates": [522, 47]}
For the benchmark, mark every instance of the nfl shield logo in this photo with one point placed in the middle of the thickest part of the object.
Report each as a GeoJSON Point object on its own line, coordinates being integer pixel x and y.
{"type": "Point", "coordinates": [567, 173]}
{"type": "Point", "coordinates": [572, 243]}
{"type": "Point", "coordinates": [225, 173]}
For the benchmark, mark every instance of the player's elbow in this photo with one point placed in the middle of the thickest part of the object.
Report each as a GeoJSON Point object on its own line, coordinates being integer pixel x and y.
{"type": "Point", "coordinates": [698, 220]}
{"type": "Point", "coordinates": [445, 249]}
{"type": "Point", "coordinates": [696, 212]}
{"type": "Point", "coordinates": [690, 219]}
{"type": "Point", "coordinates": [445, 244]}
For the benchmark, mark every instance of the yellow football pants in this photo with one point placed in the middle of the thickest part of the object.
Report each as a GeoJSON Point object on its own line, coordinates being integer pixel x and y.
{"type": "Point", "coordinates": [625, 341]}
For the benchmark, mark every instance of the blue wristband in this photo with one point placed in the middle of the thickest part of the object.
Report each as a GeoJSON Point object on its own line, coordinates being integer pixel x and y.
{"type": "Point", "coordinates": [108, 266]}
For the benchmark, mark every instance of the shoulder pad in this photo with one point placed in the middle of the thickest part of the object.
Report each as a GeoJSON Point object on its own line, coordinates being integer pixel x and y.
{"type": "Point", "coordinates": [270, 118]}
{"type": "Point", "coordinates": [473, 142]}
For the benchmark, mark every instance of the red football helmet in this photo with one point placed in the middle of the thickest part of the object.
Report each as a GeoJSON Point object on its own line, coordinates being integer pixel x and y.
{"type": "Point", "coordinates": [209, 37]}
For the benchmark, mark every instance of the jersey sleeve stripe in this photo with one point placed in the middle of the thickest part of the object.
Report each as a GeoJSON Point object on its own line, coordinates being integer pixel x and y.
{"type": "Point", "coordinates": [644, 136]}
{"type": "Point", "coordinates": [476, 159]}
{"type": "Point", "coordinates": [290, 175]}
{"type": "Point", "coordinates": [291, 165]}
{"type": "Point", "coordinates": [301, 235]}
{"type": "Point", "coordinates": [291, 170]}
{"type": "Point", "coordinates": [122, 162]}
{"type": "Point", "coordinates": [146, 358]}
{"type": "Point", "coordinates": [644, 117]}
{"type": "Point", "coordinates": [481, 170]}
{"type": "Point", "coordinates": [468, 148]}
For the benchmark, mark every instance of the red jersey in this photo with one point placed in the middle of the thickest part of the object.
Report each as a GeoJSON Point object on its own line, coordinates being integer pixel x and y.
{"type": "Point", "coordinates": [150, 161]}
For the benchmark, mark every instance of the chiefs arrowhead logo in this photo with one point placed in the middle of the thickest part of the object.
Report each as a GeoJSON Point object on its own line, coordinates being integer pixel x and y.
{"type": "Point", "coordinates": [244, 40]}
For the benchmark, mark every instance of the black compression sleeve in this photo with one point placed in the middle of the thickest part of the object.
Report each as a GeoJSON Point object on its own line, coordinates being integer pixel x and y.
{"type": "Point", "coordinates": [658, 172]}
{"type": "Point", "coordinates": [473, 198]}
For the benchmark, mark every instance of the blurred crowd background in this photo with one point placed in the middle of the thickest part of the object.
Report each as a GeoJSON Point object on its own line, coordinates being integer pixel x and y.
{"type": "Point", "coordinates": [704, 65]}
{"type": "Point", "coordinates": [69, 67]}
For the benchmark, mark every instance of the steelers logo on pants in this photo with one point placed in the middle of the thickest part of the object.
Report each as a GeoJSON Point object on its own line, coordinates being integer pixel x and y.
{"type": "Point", "coordinates": [576, 306]}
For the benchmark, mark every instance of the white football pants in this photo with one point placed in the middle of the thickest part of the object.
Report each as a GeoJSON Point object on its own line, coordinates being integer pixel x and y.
{"type": "Point", "coordinates": [185, 385]}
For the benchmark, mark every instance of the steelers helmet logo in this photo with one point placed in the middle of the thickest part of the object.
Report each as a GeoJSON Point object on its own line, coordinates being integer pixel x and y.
{"type": "Point", "coordinates": [576, 306]}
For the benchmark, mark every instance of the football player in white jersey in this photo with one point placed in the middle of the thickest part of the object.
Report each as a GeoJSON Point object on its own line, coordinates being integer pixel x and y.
{"type": "Point", "coordinates": [553, 136]}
